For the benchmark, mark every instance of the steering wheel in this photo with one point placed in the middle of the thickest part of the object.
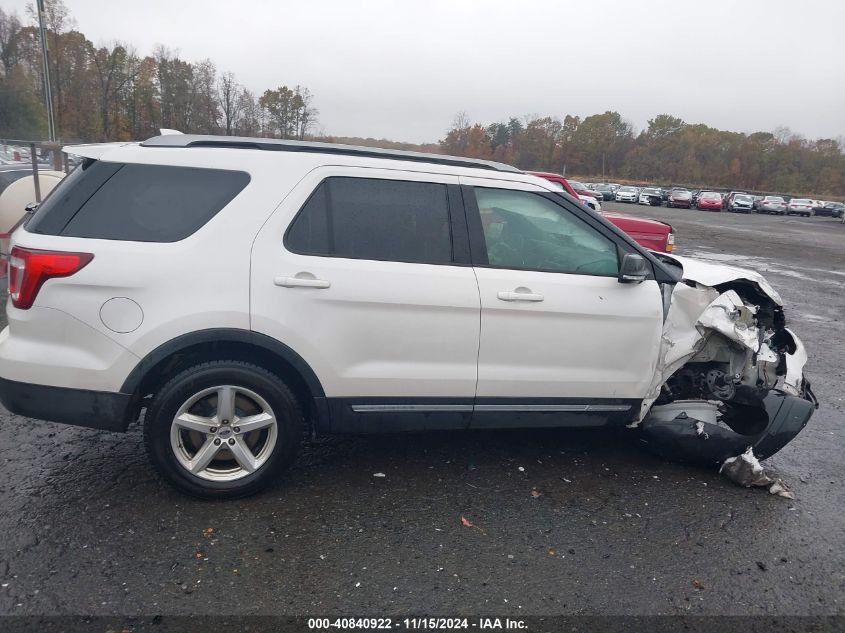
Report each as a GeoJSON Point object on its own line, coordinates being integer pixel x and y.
{"type": "Point", "coordinates": [503, 254]}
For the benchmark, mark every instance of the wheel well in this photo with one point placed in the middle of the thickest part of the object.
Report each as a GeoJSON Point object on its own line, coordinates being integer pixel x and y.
{"type": "Point", "coordinates": [158, 374]}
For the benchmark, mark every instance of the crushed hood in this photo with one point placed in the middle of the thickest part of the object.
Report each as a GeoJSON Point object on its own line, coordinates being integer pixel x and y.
{"type": "Point", "coordinates": [714, 275]}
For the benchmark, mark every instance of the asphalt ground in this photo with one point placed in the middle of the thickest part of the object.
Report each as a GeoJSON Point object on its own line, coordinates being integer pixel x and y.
{"type": "Point", "coordinates": [562, 522]}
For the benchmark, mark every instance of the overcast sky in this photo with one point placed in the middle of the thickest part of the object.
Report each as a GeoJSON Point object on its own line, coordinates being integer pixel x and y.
{"type": "Point", "coordinates": [401, 69]}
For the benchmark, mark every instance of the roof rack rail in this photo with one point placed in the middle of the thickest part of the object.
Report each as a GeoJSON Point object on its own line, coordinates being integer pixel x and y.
{"type": "Point", "coordinates": [281, 145]}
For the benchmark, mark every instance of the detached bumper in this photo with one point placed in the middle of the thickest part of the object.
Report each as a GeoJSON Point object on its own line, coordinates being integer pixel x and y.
{"type": "Point", "coordinates": [781, 417]}
{"type": "Point", "coordinates": [79, 407]}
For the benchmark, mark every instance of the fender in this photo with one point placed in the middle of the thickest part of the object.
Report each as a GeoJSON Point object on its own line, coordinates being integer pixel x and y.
{"type": "Point", "coordinates": [216, 335]}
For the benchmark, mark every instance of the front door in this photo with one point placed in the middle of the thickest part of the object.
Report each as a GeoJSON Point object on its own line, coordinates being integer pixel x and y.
{"type": "Point", "coordinates": [562, 341]}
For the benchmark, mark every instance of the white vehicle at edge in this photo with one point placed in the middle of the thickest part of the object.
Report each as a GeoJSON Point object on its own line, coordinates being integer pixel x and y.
{"type": "Point", "coordinates": [233, 292]}
{"type": "Point", "coordinates": [591, 202]}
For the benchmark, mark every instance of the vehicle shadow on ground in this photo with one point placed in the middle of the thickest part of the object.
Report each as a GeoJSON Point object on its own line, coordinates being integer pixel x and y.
{"type": "Point", "coordinates": [89, 464]}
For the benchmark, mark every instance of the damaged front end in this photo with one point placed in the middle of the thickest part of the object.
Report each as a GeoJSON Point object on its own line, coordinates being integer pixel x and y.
{"type": "Point", "coordinates": [729, 374]}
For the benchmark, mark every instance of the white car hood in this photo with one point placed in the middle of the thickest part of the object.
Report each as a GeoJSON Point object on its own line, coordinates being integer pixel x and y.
{"type": "Point", "coordinates": [711, 274]}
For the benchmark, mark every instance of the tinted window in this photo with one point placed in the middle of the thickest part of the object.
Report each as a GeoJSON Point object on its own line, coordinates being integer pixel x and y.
{"type": "Point", "coordinates": [155, 203]}
{"type": "Point", "coordinates": [364, 218]}
{"type": "Point", "coordinates": [527, 231]}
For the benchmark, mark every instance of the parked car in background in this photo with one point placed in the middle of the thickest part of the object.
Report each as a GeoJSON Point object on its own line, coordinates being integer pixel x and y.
{"type": "Point", "coordinates": [583, 190]}
{"type": "Point", "coordinates": [741, 203]}
{"type": "Point", "coordinates": [833, 209]}
{"type": "Point", "coordinates": [726, 200]}
{"type": "Point", "coordinates": [627, 194]}
{"type": "Point", "coordinates": [694, 193]}
{"type": "Point", "coordinates": [801, 206]}
{"type": "Point", "coordinates": [679, 198]}
{"type": "Point", "coordinates": [606, 191]}
{"type": "Point", "coordinates": [650, 196]}
{"type": "Point", "coordinates": [772, 205]}
{"type": "Point", "coordinates": [709, 201]}
{"type": "Point", "coordinates": [587, 199]}
{"type": "Point", "coordinates": [652, 234]}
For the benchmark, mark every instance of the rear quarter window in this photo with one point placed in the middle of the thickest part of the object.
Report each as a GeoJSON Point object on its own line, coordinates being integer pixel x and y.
{"type": "Point", "coordinates": [138, 203]}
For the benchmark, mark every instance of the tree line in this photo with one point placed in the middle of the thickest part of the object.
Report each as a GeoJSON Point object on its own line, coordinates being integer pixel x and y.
{"type": "Point", "coordinates": [112, 93]}
{"type": "Point", "coordinates": [668, 151]}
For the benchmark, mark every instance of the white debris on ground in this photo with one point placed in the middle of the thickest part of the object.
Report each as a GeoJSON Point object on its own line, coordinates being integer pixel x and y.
{"type": "Point", "coordinates": [699, 430]}
{"type": "Point", "coordinates": [747, 471]}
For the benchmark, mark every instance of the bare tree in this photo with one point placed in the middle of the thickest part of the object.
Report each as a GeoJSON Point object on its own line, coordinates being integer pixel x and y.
{"type": "Point", "coordinates": [230, 99]}
{"type": "Point", "coordinates": [461, 121]}
{"type": "Point", "coordinates": [249, 123]}
{"type": "Point", "coordinates": [113, 72]}
{"type": "Point", "coordinates": [307, 113]}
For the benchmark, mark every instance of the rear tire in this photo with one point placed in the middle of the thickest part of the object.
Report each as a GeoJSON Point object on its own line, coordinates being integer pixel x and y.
{"type": "Point", "coordinates": [194, 439]}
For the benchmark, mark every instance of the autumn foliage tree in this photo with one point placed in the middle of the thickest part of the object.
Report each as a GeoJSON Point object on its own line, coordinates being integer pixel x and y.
{"type": "Point", "coordinates": [668, 151]}
{"type": "Point", "coordinates": [111, 93]}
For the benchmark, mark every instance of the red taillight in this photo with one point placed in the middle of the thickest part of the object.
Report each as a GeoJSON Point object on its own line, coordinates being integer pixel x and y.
{"type": "Point", "coordinates": [29, 269]}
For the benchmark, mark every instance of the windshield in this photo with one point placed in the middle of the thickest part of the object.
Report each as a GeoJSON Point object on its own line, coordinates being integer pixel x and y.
{"type": "Point", "coordinates": [651, 192]}
{"type": "Point", "coordinates": [623, 189]}
{"type": "Point", "coordinates": [774, 199]}
{"type": "Point", "coordinates": [711, 195]}
{"type": "Point", "coordinates": [744, 198]}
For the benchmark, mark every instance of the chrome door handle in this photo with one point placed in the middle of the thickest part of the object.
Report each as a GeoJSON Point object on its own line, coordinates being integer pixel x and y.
{"type": "Point", "coordinates": [519, 294]}
{"type": "Point", "coordinates": [301, 282]}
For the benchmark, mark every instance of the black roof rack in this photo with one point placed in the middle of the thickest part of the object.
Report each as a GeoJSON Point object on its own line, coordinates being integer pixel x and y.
{"type": "Point", "coordinates": [280, 145]}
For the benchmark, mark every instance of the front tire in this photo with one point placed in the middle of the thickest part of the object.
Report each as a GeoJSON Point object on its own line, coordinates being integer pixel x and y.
{"type": "Point", "coordinates": [223, 429]}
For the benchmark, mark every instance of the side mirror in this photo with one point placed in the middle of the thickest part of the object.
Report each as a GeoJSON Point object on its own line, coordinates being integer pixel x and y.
{"type": "Point", "coordinates": [634, 269]}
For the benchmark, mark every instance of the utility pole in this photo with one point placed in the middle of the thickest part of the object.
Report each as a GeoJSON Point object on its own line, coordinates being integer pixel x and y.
{"type": "Point", "coordinates": [48, 91]}
{"type": "Point", "coordinates": [602, 166]}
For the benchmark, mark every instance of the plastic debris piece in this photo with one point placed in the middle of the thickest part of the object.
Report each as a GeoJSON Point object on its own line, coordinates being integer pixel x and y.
{"type": "Point", "coordinates": [747, 471]}
{"type": "Point", "coordinates": [467, 523]}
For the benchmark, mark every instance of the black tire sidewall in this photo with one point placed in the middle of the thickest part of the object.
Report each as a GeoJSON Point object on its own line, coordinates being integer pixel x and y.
{"type": "Point", "coordinates": [163, 409]}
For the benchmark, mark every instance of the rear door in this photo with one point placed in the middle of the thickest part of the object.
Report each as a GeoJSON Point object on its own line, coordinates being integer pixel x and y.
{"type": "Point", "coordinates": [562, 341]}
{"type": "Point", "coordinates": [365, 273]}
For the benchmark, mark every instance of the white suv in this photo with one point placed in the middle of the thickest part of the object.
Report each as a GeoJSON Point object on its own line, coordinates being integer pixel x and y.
{"type": "Point", "coordinates": [235, 292]}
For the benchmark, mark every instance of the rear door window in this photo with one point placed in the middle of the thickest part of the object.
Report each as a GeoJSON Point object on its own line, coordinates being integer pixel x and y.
{"type": "Point", "coordinates": [369, 218]}
{"type": "Point", "coordinates": [138, 203]}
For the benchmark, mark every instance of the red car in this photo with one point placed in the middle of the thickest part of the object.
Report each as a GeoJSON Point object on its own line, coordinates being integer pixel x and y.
{"type": "Point", "coordinates": [581, 190]}
{"type": "Point", "coordinates": [651, 234]}
{"type": "Point", "coordinates": [709, 201]}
